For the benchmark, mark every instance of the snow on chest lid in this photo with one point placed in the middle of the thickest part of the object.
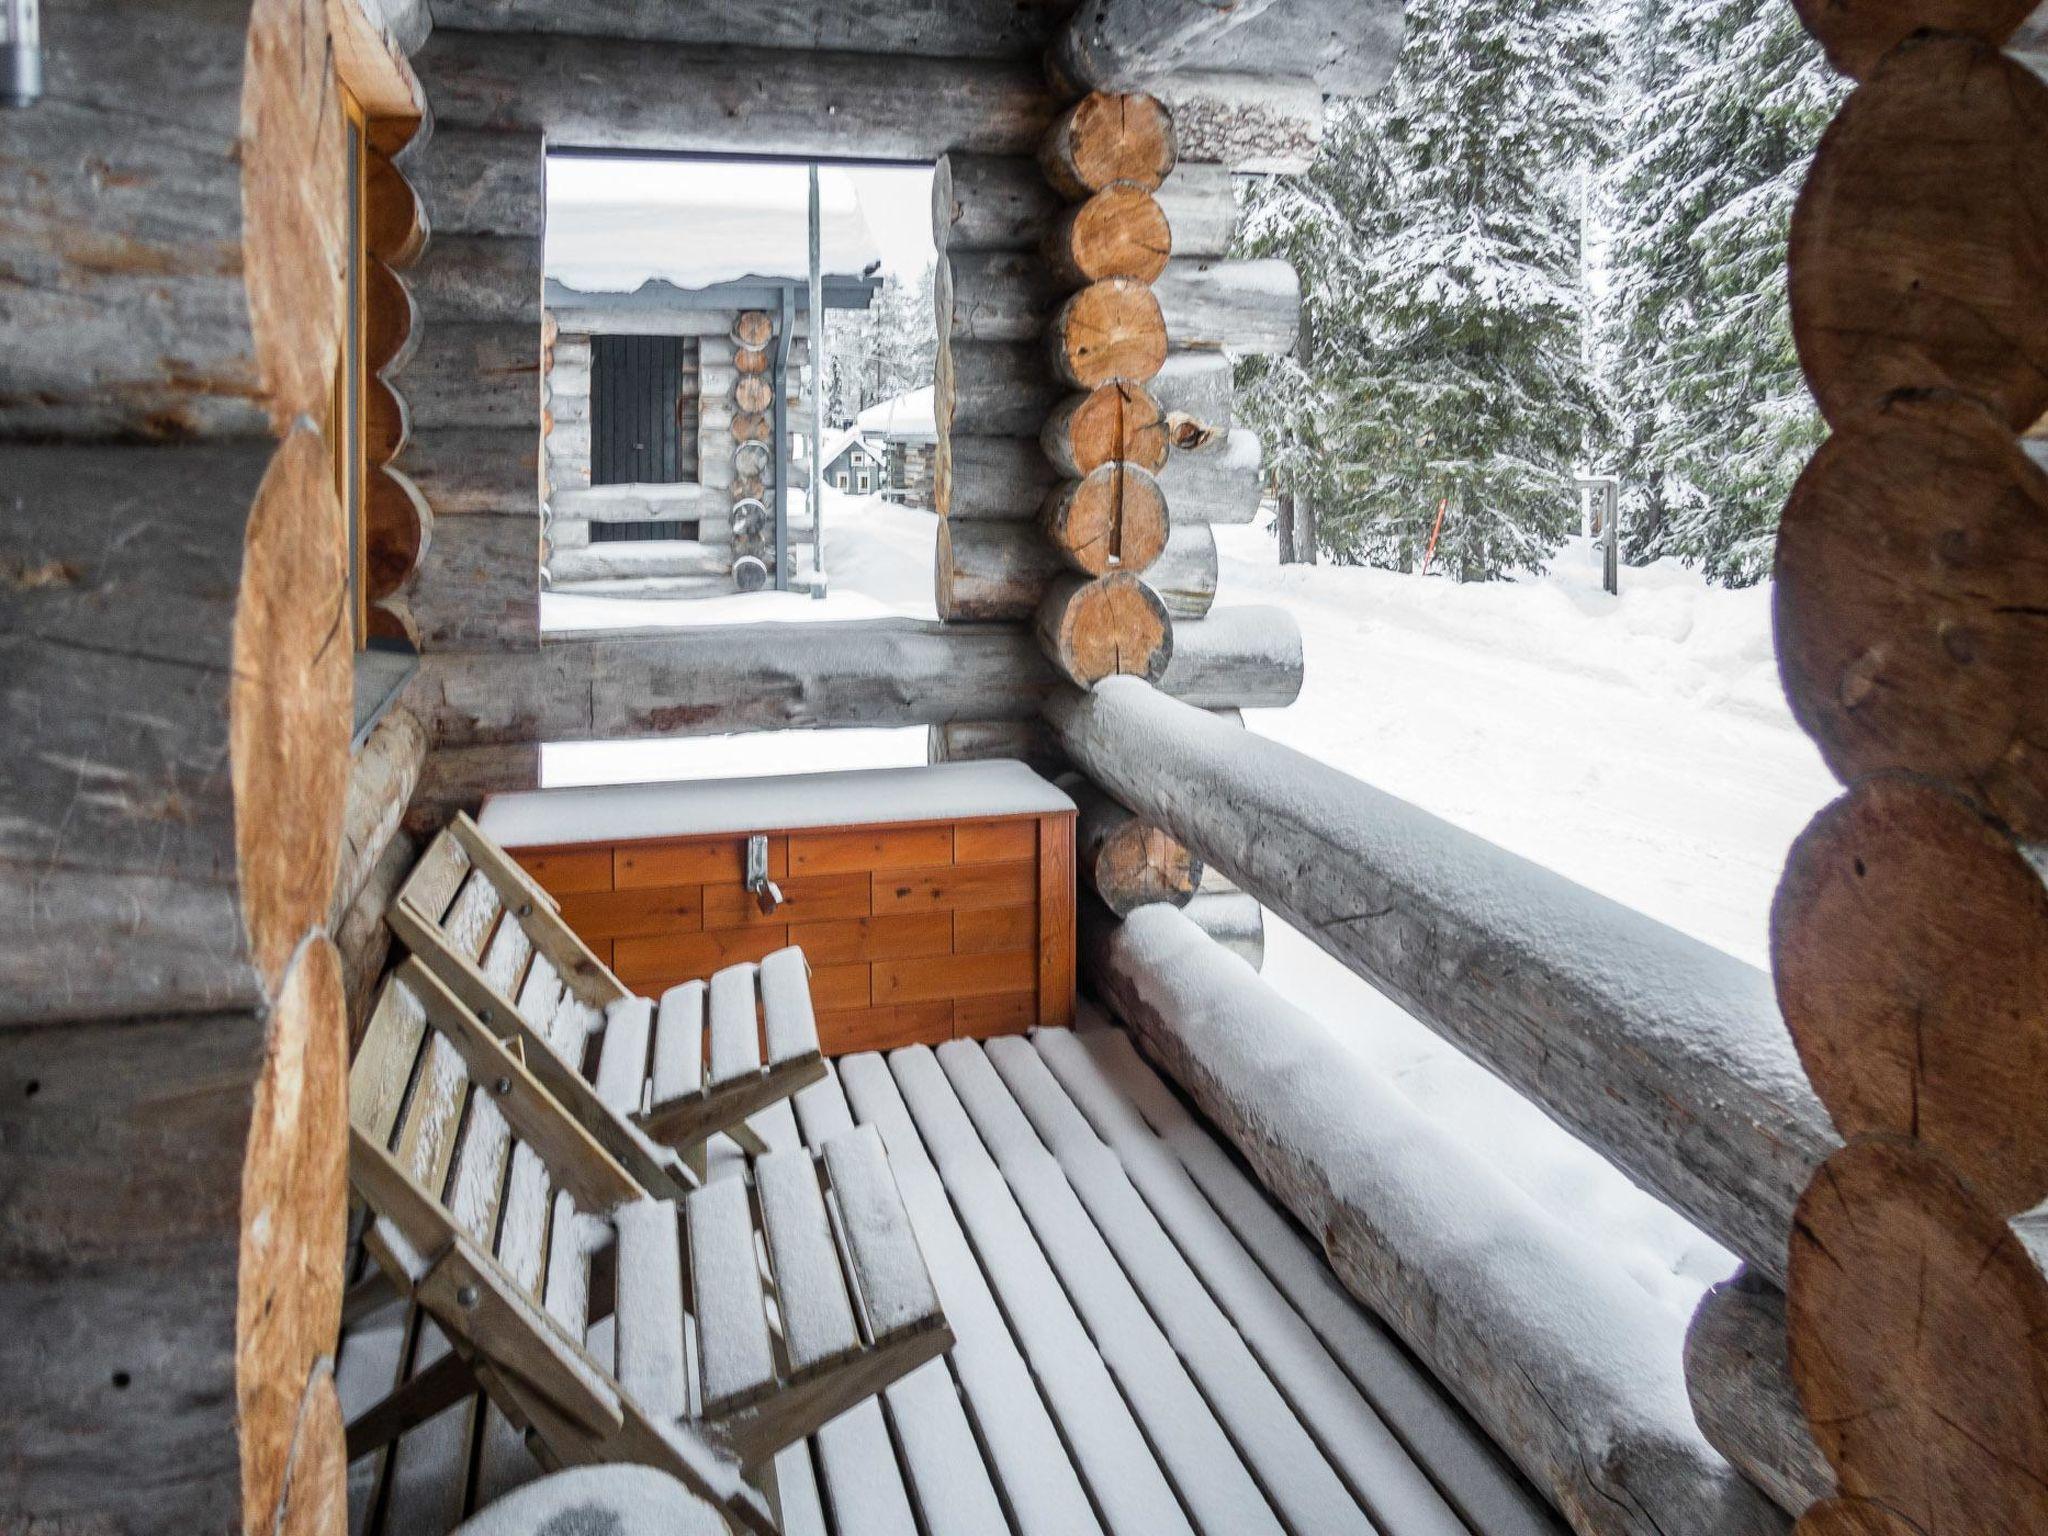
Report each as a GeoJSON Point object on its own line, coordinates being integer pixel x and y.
{"type": "Point", "coordinates": [701, 807]}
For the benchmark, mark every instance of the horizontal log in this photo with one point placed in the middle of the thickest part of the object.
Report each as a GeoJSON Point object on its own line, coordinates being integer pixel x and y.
{"type": "Point", "coordinates": [1004, 203]}
{"type": "Point", "coordinates": [1739, 1380]}
{"type": "Point", "coordinates": [1257, 124]}
{"type": "Point", "coordinates": [1122, 45]}
{"type": "Point", "coordinates": [1241, 657]}
{"type": "Point", "coordinates": [626, 559]}
{"type": "Point", "coordinates": [1604, 1431]}
{"type": "Point", "coordinates": [479, 583]}
{"type": "Point", "coordinates": [980, 479]}
{"type": "Point", "coordinates": [475, 375]}
{"type": "Point", "coordinates": [1347, 48]}
{"type": "Point", "coordinates": [1665, 1055]}
{"type": "Point", "coordinates": [679, 502]}
{"type": "Point", "coordinates": [614, 686]}
{"type": "Point", "coordinates": [991, 571]}
{"type": "Point", "coordinates": [1223, 483]}
{"type": "Point", "coordinates": [458, 779]}
{"type": "Point", "coordinates": [363, 939]}
{"type": "Point", "coordinates": [994, 389]}
{"type": "Point", "coordinates": [973, 741]}
{"type": "Point", "coordinates": [1196, 391]}
{"type": "Point", "coordinates": [1248, 308]}
{"type": "Point", "coordinates": [478, 278]}
{"type": "Point", "coordinates": [1125, 861]}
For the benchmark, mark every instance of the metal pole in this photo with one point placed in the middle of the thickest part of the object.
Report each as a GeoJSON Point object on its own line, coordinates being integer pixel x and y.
{"type": "Point", "coordinates": [781, 488]}
{"type": "Point", "coordinates": [817, 487]}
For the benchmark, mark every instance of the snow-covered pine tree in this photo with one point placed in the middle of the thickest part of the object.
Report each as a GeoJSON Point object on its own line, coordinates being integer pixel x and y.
{"type": "Point", "coordinates": [1714, 422]}
{"type": "Point", "coordinates": [1438, 240]}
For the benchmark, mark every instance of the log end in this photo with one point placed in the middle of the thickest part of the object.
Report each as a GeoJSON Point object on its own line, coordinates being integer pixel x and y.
{"type": "Point", "coordinates": [1109, 627]}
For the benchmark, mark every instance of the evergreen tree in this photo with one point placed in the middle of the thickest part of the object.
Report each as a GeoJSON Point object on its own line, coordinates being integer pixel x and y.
{"type": "Point", "coordinates": [1730, 97]}
{"type": "Point", "coordinates": [1439, 241]}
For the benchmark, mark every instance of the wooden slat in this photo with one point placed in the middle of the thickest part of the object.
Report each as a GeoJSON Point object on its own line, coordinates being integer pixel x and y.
{"type": "Point", "coordinates": [1056, 925]}
{"type": "Point", "coordinates": [895, 1289]}
{"type": "Point", "coordinates": [828, 853]}
{"type": "Point", "coordinates": [385, 1062]}
{"type": "Point", "coordinates": [622, 1054]}
{"type": "Point", "coordinates": [817, 1319]}
{"type": "Point", "coordinates": [436, 878]}
{"type": "Point", "coordinates": [623, 914]}
{"type": "Point", "coordinates": [843, 1031]}
{"type": "Point", "coordinates": [789, 1023]}
{"type": "Point", "coordinates": [845, 986]}
{"type": "Point", "coordinates": [994, 930]}
{"type": "Point", "coordinates": [735, 1027]}
{"type": "Point", "coordinates": [954, 976]}
{"type": "Point", "coordinates": [862, 939]}
{"type": "Point", "coordinates": [684, 956]}
{"type": "Point", "coordinates": [813, 898]}
{"type": "Point", "coordinates": [994, 842]}
{"type": "Point", "coordinates": [650, 1308]}
{"type": "Point", "coordinates": [704, 862]}
{"type": "Point", "coordinates": [679, 1043]}
{"type": "Point", "coordinates": [575, 963]}
{"type": "Point", "coordinates": [977, 1018]}
{"type": "Point", "coordinates": [961, 888]}
{"type": "Point", "coordinates": [570, 870]}
{"type": "Point", "coordinates": [737, 1362]}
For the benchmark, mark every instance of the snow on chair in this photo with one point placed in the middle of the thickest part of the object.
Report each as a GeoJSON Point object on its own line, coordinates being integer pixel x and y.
{"type": "Point", "coordinates": [559, 1215]}
{"type": "Point", "coordinates": [456, 895]}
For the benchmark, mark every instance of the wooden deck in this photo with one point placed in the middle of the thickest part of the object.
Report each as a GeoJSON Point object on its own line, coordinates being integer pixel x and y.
{"type": "Point", "coordinates": [1146, 1345]}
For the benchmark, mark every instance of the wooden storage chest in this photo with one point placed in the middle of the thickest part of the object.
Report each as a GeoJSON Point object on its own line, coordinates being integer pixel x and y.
{"type": "Point", "coordinates": [932, 902]}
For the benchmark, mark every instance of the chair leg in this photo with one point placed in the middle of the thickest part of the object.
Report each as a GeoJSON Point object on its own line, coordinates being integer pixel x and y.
{"type": "Point", "coordinates": [448, 1380]}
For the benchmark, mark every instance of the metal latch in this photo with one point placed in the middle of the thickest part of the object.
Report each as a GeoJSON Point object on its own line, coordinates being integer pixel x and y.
{"type": "Point", "coordinates": [767, 894]}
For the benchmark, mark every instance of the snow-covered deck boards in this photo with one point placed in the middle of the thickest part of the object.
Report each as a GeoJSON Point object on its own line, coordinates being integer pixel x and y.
{"type": "Point", "coordinates": [1144, 1344]}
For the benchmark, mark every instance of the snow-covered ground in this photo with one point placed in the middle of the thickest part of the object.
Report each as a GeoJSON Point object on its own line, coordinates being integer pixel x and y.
{"type": "Point", "coordinates": [1638, 745]}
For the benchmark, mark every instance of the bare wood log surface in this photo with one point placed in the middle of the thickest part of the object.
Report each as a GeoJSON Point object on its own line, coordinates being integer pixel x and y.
{"type": "Point", "coordinates": [1119, 232]}
{"type": "Point", "coordinates": [1114, 422]}
{"type": "Point", "coordinates": [1185, 574]}
{"type": "Point", "coordinates": [1196, 392]}
{"type": "Point", "coordinates": [1103, 139]}
{"type": "Point", "coordinates": [1347, 48]}
{"type": "Point", "coordinates": [391, 320]}
{"type": "Point", "coordinates": [1109, 330]}
{"type": "Point", "coordinates": [969, 741]}
{"type": "Point", "coordinates": [1000, 571]}
{"type": "Point", "coordinates": [1126, 862]}
{"type": "Point", "coordinates": [466, 374]}
{"type": "Point", "coordinates": [1368, 1178]}
{"type": "Point", "coordinates": [1739, 1379]}
{"type": "Point", "coordinates": [753, 328]}
{"type": "Point", "coordinates": [1119, 45]}
{"type": "Point", "coordinates": [214, 715]}
{"type": "Point", "coordinates": [898, 106]}
{"type": "Point", "coordinates": [1257, 123]}
{"type": "Point", "coordinates": [479, 278]}
{"type": "Point", "coordinates": [1244, 656]}
{"type": "Point", "coordinates": [1114, 519]}
{"type": "Point", "coordinates": [1004, 203]}
{"type": "Point", "coordinates": [1915, 1317]}
{"type": "Point", "coordinates": [1912, 566]}
{"type": "Point", "coordinates": [478, 181]}
{"type": "Point", "coordinates": [458, 779]}
{"type": "Point", "coordinates": [1107, 626]}
{"type": "Point", "coordinates": [1913, 259]}
{"type": "Point", "coordinates": [1002, 479]}
{"type": "Point", "coordinates": [476, 469]}
{"type": "Point", "coordinates": [994, 388]}
{"type": "Point", "coordinates": [1857, 37]}
{"type": "Point", "coordinates": [394, 219]}
{"type": "Point", "coordinates": [750, 427]}
{"type": "Point", "coordinates": [1248, 308]}
{"type": "Point", "coordinates": [398, 527]}
{"type": "Point", "coordinates": [1222, 482]}
{"type": "Point", "coordinates": [479, 583]}
{"type": "Point", "coordinates": [1910, 943]}
{"type": "Point", "coordinates": [1666, 1055]}
{"type": "Point", "coordinates": [1852, 1517]}
{"type": "Point", "coordinates": [387, 425]}
{"type": "Point", "coordinates": [380, 783]}
{"type": "Point", "coordinates": [361, 936]}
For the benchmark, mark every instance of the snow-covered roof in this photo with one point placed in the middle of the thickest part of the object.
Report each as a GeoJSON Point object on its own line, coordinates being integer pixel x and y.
{"type": "Point", "coordinates": [911, 415]}
{"type": "Point", "coordinates": [840, 439]}
{"type": "Point", "coordinates": [624, 812]}
{"type": "Point", "coordinates": [616, 224]}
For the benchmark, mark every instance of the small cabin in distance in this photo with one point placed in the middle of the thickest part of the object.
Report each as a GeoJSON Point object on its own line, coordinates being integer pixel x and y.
{"type": "Point", "coordinates": [908, 430]}
{"type": "Point", "coordinates": [277, 434]}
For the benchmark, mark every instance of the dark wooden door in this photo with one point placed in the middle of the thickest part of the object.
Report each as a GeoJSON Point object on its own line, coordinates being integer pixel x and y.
{"type": "Point", "coordinates": [643, 410]}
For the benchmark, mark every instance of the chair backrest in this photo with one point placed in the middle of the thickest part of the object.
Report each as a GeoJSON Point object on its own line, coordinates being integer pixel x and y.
{"type": "Point", "coordinates": [490, 1199]}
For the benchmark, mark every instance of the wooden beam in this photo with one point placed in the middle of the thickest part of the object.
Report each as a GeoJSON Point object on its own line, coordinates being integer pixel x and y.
{"type": "Point", "coordinates": [1739, 1381]}
{"type": "Point", "coordinates": [1603, 1431]}
{"type": "Point", "coordinates": [1121, 45]}
{"type": "Point", "coordinates": [1664, 1054]}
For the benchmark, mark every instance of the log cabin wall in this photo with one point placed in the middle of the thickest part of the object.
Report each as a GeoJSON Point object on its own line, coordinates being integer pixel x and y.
{"type": "Point", "coordinates": [174, 614]}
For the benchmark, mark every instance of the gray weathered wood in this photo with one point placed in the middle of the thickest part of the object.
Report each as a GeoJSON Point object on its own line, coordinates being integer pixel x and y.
{"type": "Point", "coordinates": [380, 783]}
{"type": "Point", "coordinates": [471, 375]}
{"type": "Point", "coordinates": [1348, 48]}
{"type": "Point", "coordinates": [1195, 391]}
{"type": "Point", "coordinates": [1003, 203]}
{"type": "Point", "coordinates": [476, 469]}
{"type": "Point", "coordinates": [479, 583]}
{"type": "Point", "coordinates": [1254, 123]}
{"type": "Point", "coordinates": [1739, 1379]}
{"type": "Point", "coordinates": [1000, 570]}
{"type": "Point", "coordinates": [1248, 308]}
{"type": "Point", "coordinates": [681, 502]}
{"type": "Point", "coordinates": [1122, 45]}
{"type": "Point", "coordinates": [477, 278]}
{"type": "Point", "coordinates": [474, 181]}
{"type": "Point", "coordinates": [1236, 657]}
{"type": "Point", "coordinates": [1221, 483]}
{"type": "Point", "coordinates": [1000, 479]}
{"type": "Point", "coordinates": [994, 388]}
{"type": "Point", "coordinates": [1576, 1419]}
{"type": "Point", "coordinates": [1665, 1055]}
{"type": "Point", "coordinates": [1184, 575]}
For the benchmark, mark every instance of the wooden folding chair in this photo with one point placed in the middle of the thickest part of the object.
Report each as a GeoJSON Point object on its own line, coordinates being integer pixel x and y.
{"type": "Point", "coordinates": [614, 1308]}
{"type": "Point", "coordinates": [676, 1096]}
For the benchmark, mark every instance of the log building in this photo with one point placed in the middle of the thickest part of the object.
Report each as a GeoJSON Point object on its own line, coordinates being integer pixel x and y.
{"type": "Point", "coordinates": [274, 459]}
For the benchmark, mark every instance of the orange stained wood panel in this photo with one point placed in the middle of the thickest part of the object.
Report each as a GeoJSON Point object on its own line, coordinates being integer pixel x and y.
{"type": "Point", "coordinates": [961, 888]}
{"type": "Point", "coordinates": [813, 899]}
{"type": "Point", "coordinates": [695, 861]}
{"type": "Point", "coordinates": [685, 956]}
{"type": "Point", "coordinates": [1008, 1013]}
{"type": "Point", "coordinates": [615, 914]}
{"type": "Point", "coordinates": [993, 930]}
{"type": "Point", "coordinates": [832, 853]}
{"type": "Point", "coordinates": [1055, 921]}
{"type": "Point", "coordinates": [839, 986]}
{"type": "Point", "coordinates": [844, 1031]}
{"type": "Point", "coordinates": [994, 842]}
{"type": "Point", "coordinates": [563, 871]}
{"type": "Point", "coordinates": [861, 939]}
{"type": "Point", "coordinates": [953, 976]}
